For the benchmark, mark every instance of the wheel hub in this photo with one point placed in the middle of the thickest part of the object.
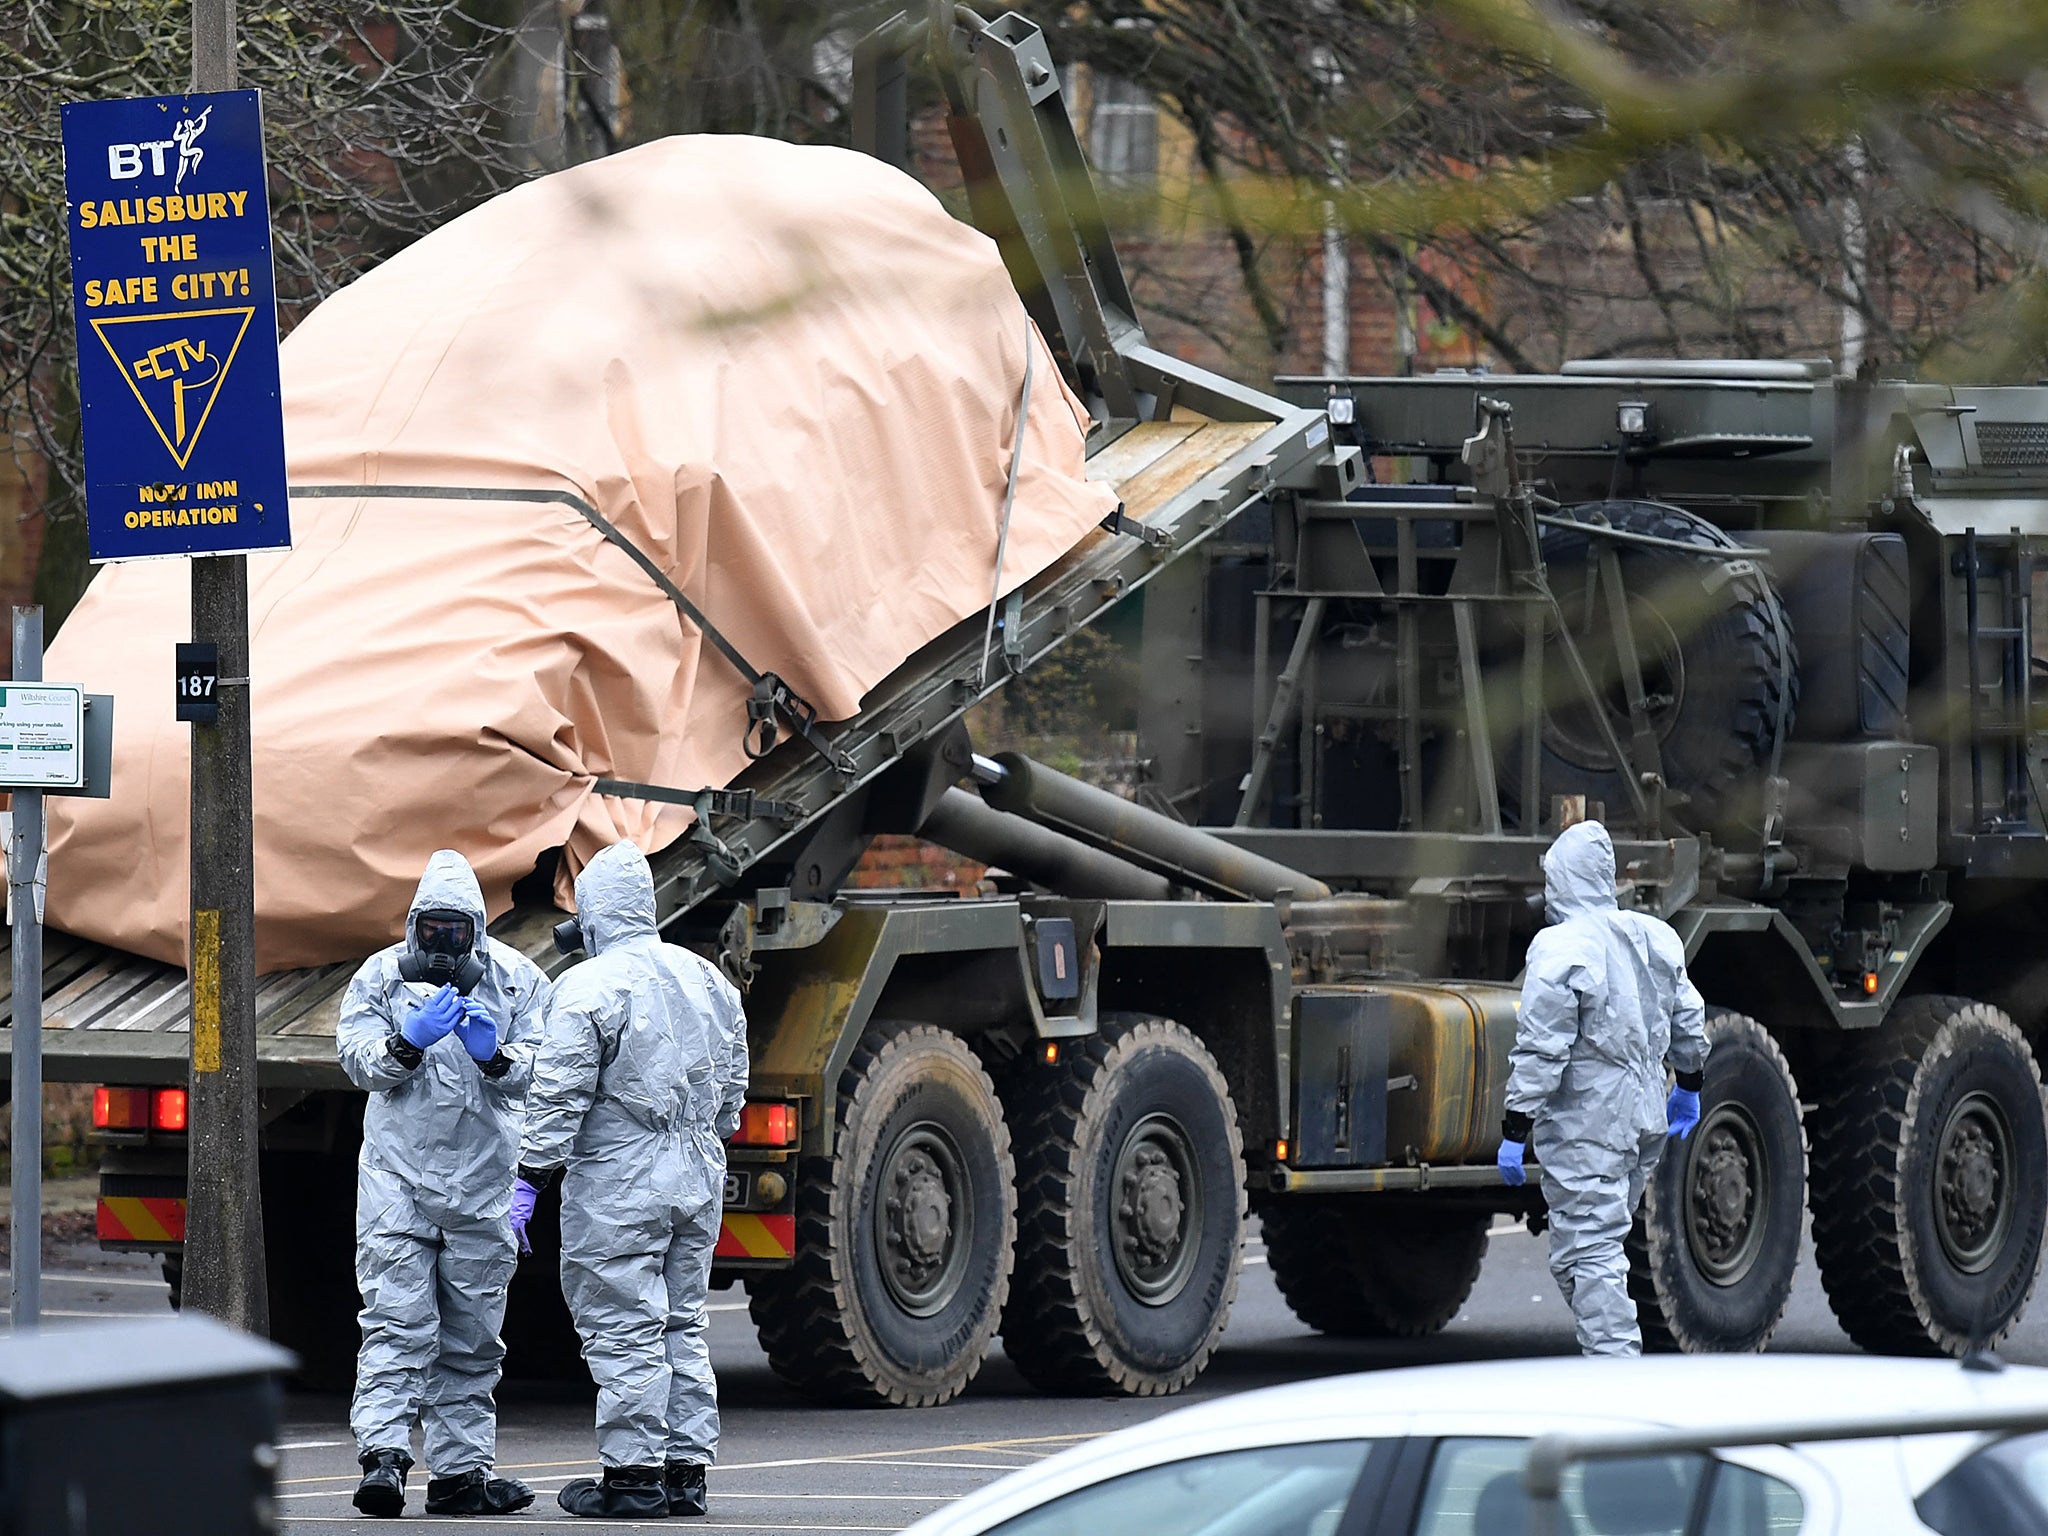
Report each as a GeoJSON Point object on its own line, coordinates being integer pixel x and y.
{"type": "Point", "coordinates": [923, 1211]}
{"type": "Point", "coordinates": [1972, 1211]}
{"type": "Point", "coordinates": [922, 1220]}
{"type": "Point", "coordinates": [1156, 1217]}
{"type": "Point", "coordinates": [1726, 1184]}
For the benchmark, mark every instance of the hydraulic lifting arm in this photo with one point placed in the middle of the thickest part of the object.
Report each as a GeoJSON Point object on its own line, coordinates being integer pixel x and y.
{"type": "Point", "coordinates": [1028, 186]}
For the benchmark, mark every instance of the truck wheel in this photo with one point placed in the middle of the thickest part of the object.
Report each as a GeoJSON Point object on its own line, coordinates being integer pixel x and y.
{"type": "Point", "coordinates": [903, 1236]}
{"type": "Point", "coordinates": [1715, 1245]}
{"type": "Point", "coordinates": [1930, 1179]}
{"type": "Point", "coordinates": [1131, 1206]}
{"type": "Point", "coordinates": [1716, 657]}
{"type": "Point", "coordinates": [1360, 1268]}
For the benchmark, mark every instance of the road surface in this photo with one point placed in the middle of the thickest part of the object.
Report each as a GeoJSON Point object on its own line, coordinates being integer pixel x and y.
{"type": "Point", "coordinates": [790, 1466]}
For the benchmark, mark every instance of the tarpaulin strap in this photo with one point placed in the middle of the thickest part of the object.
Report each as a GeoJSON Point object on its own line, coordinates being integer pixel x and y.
{"type": "Point", "coordinates": [1122, 522]}
{"type": "Point", "coordinates": [725, 865]}
{"type": "Point", "coordinates": [1012, 642]}
{"type": "Point", "coordinates": [771, 693]}
{"type": "Point", "coordinates": [739, 804]}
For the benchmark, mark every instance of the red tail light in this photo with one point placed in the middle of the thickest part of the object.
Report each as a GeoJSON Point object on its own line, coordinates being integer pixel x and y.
{"type": "Point", "coordinates": [167, 1109]}
{"type": "Point", "coordinates": [120, 1109]}
{"type": "Point", "coordinates": [767, 1125]}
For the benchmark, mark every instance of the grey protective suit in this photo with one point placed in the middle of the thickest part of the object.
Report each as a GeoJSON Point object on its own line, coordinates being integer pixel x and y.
{"type": "Point", "coordinates": [1606, 1005]}
{"type": "Point", "coordinates": [434, 1249]}
{"type": "Point", "coordinates": [638, 1084]}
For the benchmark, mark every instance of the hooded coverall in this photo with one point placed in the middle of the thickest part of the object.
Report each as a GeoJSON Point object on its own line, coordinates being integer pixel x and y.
{"type": "Point", "coordinates": [639, 1082]}
{"type": "Point", "coordinates": [434, 1249]}
{"type": "Point", "coordinates": [1606, 1006]}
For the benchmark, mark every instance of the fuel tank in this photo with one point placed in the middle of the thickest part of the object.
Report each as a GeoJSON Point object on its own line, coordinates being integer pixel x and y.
{"type": "Point", "coordinates": [1400, 1073]}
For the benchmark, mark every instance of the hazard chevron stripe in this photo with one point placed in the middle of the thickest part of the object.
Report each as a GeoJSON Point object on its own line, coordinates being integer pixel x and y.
{"type": "Point", "coordinates": [141, 1219]}
{"type": "Point", "coordinates": [756, 1237]}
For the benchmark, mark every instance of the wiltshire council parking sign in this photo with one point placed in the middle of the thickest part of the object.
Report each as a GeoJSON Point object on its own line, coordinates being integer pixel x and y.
{"type": "Point", "coordinates": [177, 326]}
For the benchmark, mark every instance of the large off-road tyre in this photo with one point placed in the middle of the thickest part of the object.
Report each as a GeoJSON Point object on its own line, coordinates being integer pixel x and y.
{"type": "Point", "coordinates": [1714, 1248]}
{"type": "Point", "coordinates": [904, 1235]}
{"type": "Point", "coordinates": [1718, 665]}
{"type": "Point", "coordinates": [1130, 1212]}
{"type": "Point", "coordinates": [1930, 1179]}
{"type": "Point", "coordinates": [1360, 1267]}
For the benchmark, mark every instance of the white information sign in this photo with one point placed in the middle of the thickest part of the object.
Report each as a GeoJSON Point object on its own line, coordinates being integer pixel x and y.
{"type": "Point", "coordinates": [42, 736]}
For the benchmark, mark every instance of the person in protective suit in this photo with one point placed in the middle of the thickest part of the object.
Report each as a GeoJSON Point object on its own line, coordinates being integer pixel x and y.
{"type": "Point", "coordinates": [440, 1031]}
{"type": "Point", "coordinates": [638, 1084]}
{"type": "Point", "coordinates": [1606, 1006]}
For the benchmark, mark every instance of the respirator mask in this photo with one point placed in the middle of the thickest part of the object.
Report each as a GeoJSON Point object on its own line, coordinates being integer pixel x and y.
{"type": "Point", "coordinates": [569, 937]}
{"type": "Point", "coordinates": [443, 951]}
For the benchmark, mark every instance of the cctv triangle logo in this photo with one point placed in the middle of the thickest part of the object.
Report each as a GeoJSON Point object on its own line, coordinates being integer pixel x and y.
{"type": "Point", "coordinates": [174, 364]}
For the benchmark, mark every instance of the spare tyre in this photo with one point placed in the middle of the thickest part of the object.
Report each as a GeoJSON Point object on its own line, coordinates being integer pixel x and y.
{"type": "Point", "coordinates": [1715, 651]}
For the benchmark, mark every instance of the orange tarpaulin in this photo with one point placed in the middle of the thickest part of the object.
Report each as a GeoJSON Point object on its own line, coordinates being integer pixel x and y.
{"type": "Point", "coordinates": [783, 372]}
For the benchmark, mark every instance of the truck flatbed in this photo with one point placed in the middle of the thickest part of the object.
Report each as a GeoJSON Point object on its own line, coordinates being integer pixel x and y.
{"type": "Point", "coordinates": [111, 1015]}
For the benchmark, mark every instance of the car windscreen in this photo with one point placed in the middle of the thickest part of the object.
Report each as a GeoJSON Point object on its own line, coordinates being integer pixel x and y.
{"type": "Point", "coordinates": [2001, 1490]}
{"type": "Point", "coordinates": [1280, 1490]}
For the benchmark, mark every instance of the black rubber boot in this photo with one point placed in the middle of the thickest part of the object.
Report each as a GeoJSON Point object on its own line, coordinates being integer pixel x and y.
{"type": "Point", "coordinates": [627, 1493]}
{"type": "Point", "coordinates": [684, 1482]}
{"type": "Point", "coordinates": [477, 1493]}
{"type": "Point", "coordinates": [382, 1490]}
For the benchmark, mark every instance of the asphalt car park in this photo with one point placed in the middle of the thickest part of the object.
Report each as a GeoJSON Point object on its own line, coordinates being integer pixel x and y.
{"type": "Point", "coordinates": [790, 1465]}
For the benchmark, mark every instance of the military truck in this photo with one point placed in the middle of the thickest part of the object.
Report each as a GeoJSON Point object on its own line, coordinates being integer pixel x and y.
{"type": "Point", "coordinates": [1773, 627]}
{"type": "Point", "coordinates": [1804, 607]}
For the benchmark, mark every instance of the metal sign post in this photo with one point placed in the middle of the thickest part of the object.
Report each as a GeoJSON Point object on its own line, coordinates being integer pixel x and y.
{"type": "Point", "coordinates": [169, 220]}
{"type": "Point", "coordinates": [24, 860]}
{"type": "Point", "coordinates": [45, 748]}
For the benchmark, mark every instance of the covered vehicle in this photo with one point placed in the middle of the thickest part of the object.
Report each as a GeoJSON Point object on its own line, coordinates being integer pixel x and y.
{"type": "Point", "coordinates": [714, 381]}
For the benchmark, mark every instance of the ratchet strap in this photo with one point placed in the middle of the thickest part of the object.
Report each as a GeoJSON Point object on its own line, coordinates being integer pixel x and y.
{"type": "Point", "coordinates": [1122, 522]}
{"type": "Point", "coordinates": [772, 696]}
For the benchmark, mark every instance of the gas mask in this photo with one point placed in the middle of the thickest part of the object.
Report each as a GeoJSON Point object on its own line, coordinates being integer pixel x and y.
{"type": "Point", "coordinates": [443, 951]}
{"type": "Point", "coordinates": [569, 936]}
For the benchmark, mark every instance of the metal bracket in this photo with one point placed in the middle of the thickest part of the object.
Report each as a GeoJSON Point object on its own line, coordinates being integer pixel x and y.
{"type": "Point", "coordinates": [1013, 632]}
{"type": "Point", "coordinates": [1490, 452]}
{"type": "Point", "coordinates": [1643, 736]}
{"type": "Point", "coordinates": [736, 947]}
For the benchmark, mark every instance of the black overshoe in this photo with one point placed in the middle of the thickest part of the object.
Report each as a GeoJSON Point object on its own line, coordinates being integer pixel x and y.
{"type": "Point", "coordinates": [382, 1490]}
{"type": "Point", "coordinates": [684, 1483]}
{"type": "Point", "coordinates": [477, 1493]}
{"type": "Point", "coordinates": [627, 1493]}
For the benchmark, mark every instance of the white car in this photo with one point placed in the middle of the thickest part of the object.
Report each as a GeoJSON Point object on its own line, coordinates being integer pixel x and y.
{"type": "Point", "coordinates": [1440, 1451]}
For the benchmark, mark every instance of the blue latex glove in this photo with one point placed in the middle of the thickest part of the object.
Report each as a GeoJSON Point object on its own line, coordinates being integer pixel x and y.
{"type": "Point", "coordinates": [523, 1197]}
{"type": "Point", "coordinates": [477, 1030]}
{"type": "Point", "coordinates": [1682, 1112]}
{"type": "Point", "coordinates": [432, 1020]}
{"type": "Point", "coordinates": [1509, 1161]}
